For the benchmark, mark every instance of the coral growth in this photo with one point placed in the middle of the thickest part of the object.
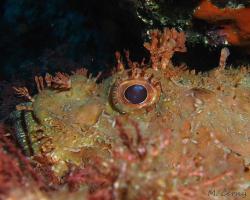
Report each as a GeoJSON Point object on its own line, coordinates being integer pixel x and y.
{"type": "Point", "coordinates": [152, 131]}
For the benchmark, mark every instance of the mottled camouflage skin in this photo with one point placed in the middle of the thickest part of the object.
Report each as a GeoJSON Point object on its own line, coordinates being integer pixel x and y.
{"type": "Point", "coordinates": [191, 130]}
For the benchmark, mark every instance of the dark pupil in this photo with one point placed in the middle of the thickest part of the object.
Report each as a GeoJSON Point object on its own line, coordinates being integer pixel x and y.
{"type": "Point", "coordinates": [136, 94]}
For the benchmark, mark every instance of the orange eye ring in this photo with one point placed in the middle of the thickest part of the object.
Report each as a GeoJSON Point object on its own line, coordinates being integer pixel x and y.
{"type": "Point", "coordinates": [134, 94]}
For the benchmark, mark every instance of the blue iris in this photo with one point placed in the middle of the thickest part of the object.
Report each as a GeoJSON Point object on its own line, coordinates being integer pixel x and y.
{"type": "Point", "coordinates": [136, 94]}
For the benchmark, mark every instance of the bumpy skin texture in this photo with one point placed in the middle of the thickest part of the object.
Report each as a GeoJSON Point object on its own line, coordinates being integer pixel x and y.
{"type": "Point", "coordinates": [190, 135]}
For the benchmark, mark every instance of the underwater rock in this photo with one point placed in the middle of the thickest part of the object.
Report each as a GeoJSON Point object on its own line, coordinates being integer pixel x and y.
{"type": "Point", "coordinates": [207, 23]}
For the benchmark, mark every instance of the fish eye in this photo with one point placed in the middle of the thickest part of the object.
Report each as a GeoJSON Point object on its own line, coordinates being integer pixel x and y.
{"type": "Point", "coordinates": [134, 94]}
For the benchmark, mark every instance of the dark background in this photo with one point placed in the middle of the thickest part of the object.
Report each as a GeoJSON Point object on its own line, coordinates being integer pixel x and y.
{"type": "Point", "coordinates": [62, 35]}
{"type": "Point", "coordinates": [58, 34]}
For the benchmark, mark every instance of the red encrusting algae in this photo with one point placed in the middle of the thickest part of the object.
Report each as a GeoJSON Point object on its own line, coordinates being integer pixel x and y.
{"type": "Point", "coordinates": [234, 22]}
